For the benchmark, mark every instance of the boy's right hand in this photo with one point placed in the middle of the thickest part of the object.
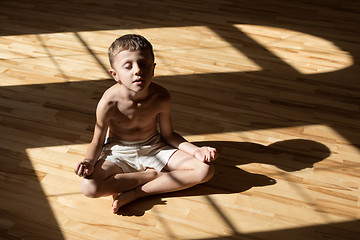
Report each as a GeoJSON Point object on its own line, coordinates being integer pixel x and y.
{"type": "Point", "coordinates": [84, 169]}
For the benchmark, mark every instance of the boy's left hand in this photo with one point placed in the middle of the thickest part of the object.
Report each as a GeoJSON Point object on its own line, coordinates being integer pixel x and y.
{"type": "Point", "coordinates": [206, 154]}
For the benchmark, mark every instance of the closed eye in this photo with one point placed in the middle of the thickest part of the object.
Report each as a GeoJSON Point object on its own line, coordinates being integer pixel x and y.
{"type": "Point", "coordinates": [128, 66]}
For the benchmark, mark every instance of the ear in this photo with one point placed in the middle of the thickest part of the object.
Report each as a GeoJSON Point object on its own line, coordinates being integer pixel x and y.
{"type": "Point", "coordinates": [114, 74]}
{"type": "Point", "coordinates": [153, 71]}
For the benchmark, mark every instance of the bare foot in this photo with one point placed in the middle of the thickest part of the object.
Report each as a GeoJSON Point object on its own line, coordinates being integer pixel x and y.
{"type": "Point", "coordinates": [122, 199]}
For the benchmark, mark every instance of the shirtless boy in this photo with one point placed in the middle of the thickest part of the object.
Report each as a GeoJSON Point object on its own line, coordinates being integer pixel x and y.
{"type": "Point", "coordinates": [137, 160]}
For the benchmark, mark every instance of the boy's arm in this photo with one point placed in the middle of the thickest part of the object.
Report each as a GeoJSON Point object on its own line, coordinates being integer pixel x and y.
{"type": "Point", "coordinates": [167, 132]}
{"type": "Point", "coordinates": [103, 115]}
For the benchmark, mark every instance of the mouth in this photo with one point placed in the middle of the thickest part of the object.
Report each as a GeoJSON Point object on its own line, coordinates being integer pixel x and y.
{"type": "Point", "coordinates": [138, 81]}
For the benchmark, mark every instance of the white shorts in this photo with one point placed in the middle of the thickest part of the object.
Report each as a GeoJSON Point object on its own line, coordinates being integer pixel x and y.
{"type": "Point", "coordinates": [137, 156]}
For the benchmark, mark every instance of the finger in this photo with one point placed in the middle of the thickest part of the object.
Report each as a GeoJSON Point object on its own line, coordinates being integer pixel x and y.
{"type": "Point", "coordinates": [77, 168]}
{"type": "Point", "coordinates": [215, 153]}
{"type": "Point", "coordinates": [81, 169]}
{"type": "Point", "coordinates": [203, 158]}
{"type": "Point", "coordinates": [211, 151]}
{"type": "Point", "coordinates": [86, 172]}
{"type": "Point", "coordinates": [83, 174]}
{"type": "Point", "coordinates": [207, 156]}
{"type": "Point", "coordinates": [212, 155]}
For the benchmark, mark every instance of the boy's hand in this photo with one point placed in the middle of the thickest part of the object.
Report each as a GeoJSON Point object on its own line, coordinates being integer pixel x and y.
{"type": "Point", "coordinates": [206, 154]}
{"type": "Point", "coordinates": [84, 169]}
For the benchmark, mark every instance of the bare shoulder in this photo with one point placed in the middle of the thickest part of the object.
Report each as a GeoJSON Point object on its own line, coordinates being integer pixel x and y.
{"type": "Point", "coordinates": [161, 93]}
{"type": "Point", "coordinates": [108, 101]}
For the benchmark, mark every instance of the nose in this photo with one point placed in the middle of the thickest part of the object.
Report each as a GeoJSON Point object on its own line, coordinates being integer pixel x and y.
{"type": "Point", "coordinates": [137, 69]}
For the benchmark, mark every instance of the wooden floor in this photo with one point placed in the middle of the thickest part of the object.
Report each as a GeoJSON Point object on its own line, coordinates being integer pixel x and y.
{"type": "Point", "coordinates": [274, 85]}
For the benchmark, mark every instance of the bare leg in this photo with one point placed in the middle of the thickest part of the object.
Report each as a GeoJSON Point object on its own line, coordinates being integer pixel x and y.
{"type": "Point", "coordinates": [185, 171]}
{"type": "Point", "coordinates": [109, 179]}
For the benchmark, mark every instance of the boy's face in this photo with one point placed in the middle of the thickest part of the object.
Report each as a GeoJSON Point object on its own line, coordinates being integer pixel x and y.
{"type": "Point", "coordinates": [133, 69]}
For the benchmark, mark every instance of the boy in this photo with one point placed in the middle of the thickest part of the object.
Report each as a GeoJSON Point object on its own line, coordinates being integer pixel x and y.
{"type": "Point", "coordinates": [137, 160]}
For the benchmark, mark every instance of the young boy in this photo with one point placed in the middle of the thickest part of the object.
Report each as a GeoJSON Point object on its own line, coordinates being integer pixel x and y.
{"type": "Point", "coordinates": [137, 160]}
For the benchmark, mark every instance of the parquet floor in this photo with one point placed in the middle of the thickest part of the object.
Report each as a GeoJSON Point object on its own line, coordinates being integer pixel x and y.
{"type": "Point", "coordinates": [274, 85]}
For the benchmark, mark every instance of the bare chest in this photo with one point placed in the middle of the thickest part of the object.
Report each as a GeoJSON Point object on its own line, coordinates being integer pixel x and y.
{"type": "Point", "coordinates": [135, 115]}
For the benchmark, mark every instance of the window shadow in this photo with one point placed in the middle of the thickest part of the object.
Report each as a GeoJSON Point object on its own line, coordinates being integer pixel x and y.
{"type": "Point", "coordinates": [74, 105]}
{"type": "Point", "coordinates": [248, 101]}
{"type": "Point", "coordinates": [335, 93]}
{"type": "Point", "coordinates": [348, 230]}
{"type": "Point", "coordinates": [253, 101]}
{"type": "Point", "coordinates": [25, 210]}
{"type": "Point", "coordinates": [45, 115]}
{"type": "Point", "coordinates": [71, 121]}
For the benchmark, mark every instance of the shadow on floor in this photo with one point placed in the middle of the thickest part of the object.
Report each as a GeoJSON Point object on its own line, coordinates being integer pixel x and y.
{"type": "Point", "coordinates": [288, 156]}
{"type": "Point", "coordinates": [330, 99]}
{"type": "Point", "coordinates": [349, 230]}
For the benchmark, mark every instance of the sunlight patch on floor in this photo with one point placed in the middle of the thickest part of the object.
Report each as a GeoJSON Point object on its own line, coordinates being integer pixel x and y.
{"type": "Point", "coordinates": [82, 56]}
{"type": "Point", "coordinates": [232, 213]}
{"type": "Point", "coordinates": [306, 53]}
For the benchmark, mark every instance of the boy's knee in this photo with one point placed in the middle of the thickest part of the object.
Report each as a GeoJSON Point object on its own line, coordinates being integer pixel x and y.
{"type": "Point", "coordinates": [206, 172]}
{"type": "Point", "coordinates": [89, 188]}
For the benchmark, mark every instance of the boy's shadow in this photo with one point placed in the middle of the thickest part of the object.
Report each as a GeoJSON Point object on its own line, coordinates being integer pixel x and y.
{"type": "Point", "coordinates": [289, 156]}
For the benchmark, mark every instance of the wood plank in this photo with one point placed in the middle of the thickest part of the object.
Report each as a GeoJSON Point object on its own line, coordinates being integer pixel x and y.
{"type": "Point", "coordinates": [273, 85]}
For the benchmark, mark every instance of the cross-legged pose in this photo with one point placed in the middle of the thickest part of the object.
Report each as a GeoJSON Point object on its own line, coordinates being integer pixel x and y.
{"type": "Point", "coordinates": [135, 151]}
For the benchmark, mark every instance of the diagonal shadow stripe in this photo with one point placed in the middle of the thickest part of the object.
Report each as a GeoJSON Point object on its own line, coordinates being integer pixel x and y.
{"type": "Point", "coordinates": [249, 106]}
{"type": "Point", "coordinates": [253, 100]}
